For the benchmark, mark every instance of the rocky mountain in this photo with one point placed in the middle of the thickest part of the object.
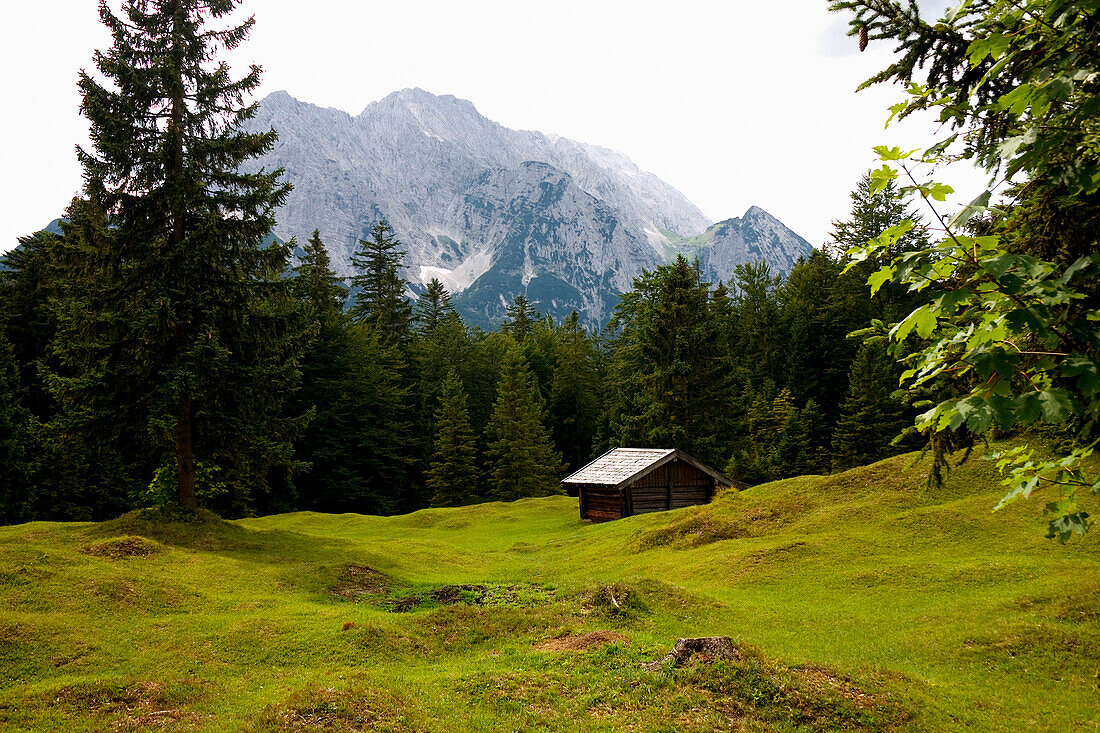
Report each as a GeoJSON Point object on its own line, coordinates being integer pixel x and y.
{"type": "Point", "coordinates": [493, 212]}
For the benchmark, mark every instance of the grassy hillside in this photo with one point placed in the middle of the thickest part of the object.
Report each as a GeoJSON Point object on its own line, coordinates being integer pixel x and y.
{"type": "Point", "coordinates": [861, 600]}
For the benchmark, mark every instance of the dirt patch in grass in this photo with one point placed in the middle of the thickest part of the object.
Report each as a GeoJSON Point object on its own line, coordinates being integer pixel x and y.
{"type": "Point", "coordinates": [573, 643]}
{"type": "Point", "coordinates": [329, 709]}
{"type": "Point", "coordinates": [750, 694]}
{"type": "Point", "coordinates": [117, 548]}
{"type": "Point", "coordinates": [460, 628]}
{"type": "Point", "coordinates": [811, 697]}
{"type": "Point", "coordinates": [404, 604]}
{"type": "Point", "coordinates": [451, 594]}
{"type": "Point", "coordinates": [472, 594]}
{"type": "Point", "coordinates": [356, 582]}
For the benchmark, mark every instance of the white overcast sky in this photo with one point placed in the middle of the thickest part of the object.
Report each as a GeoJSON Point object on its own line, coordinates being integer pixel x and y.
{"type": "Point", "coordinates": [734, 103]}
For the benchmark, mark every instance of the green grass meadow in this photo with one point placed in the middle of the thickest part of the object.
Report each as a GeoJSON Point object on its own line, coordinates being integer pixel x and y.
{"type": "Point", "coordinates": [860, 601]}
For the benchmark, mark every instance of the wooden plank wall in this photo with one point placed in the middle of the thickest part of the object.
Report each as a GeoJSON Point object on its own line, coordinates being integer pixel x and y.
{"type": "Point", "coordinates": [671, 486]}
{"type": "Point", "coordinates": [600, 503]}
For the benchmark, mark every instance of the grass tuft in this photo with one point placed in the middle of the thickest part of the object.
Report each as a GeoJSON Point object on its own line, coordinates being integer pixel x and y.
{"type": "Point", "coordinates": [330, 709]}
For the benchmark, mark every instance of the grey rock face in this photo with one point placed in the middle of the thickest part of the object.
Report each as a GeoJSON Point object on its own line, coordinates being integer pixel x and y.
{"type": "Point", "coordinates": [753, 237]}
{"type": "Point", "coordinates": [493, 212]}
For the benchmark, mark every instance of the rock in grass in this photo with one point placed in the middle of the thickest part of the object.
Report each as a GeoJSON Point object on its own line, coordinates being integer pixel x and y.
{"type": "Point", "coordinates": [709, 647]}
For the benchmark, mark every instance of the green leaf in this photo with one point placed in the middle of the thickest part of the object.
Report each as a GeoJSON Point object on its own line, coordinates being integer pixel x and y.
{"type": "Point", "coordinates": [1027, 407]}
{"type": "Point", "coordinates": [1086, 371]}
{"type": "Point", "coordinates": [993, 46]}
{"type": "Point", "coordinates": [999, 265]}
{"type": "Point", "coordinates": [1017, 101]}
{"type": "Point", "coordinates": [968, 212]}
{"type": "Point", "coordinates": [880, 278]}
{"type": "Point", "coordinates": [1056, 405]}
{"type": "Point", "coordinates": [949, 302]}
{"type": "Point", "coordinates": [1067, 525]}
{"type": "Point", "coordinates": [994, 361]}
{"type": "Point", "coordinates": [933, 152]}
{"type": "Point", "coordinates": [938, 191]}
{"type": "Point", "coordinates": [894, 153]}
{"type": "Point", "coordinates": [977, 413]}
{"type": "Point", "coordinates": [1082, 263]}
{"type": "Point", "coordinates": [1003, 413]}
{"type": "Point", "coordinates": [923, 320]}
{"type": "Point", "coordinates": [880, 178]}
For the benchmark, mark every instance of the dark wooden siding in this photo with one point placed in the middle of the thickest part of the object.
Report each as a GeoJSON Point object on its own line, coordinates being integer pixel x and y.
{"type": "Point", "coordinates": [600, 503]}
{"type": "Point", "coordinates": [671, 486]}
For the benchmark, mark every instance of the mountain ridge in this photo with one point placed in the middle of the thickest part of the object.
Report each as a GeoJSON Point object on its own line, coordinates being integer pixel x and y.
{"type": "Point", "coordinates": [568, 223]}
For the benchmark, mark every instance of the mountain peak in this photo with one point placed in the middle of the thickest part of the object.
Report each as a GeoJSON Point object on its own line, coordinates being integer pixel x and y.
{"type": "Point", "coordinates": [490, 211]}
{"type": "Point", "coordinates": [415, 97]}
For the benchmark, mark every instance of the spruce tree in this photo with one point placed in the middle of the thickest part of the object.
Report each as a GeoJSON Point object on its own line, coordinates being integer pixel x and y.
{"type": "Point", "coordinates": [670, 370]}
{"type": "Point", "coordinates": [432, 307]}
{"type": "Point", "coordinates": [28, 282]}
{"type": "Point", "coordinates": [816, 324]}
{"type": "Point", "coordinates": [102, 450]}
{"type": "Point", "coordinates": [15, 455]}
{"type": "Point", "coordinates": [452, 476]}
{"type": "Point", "coordinates": [315, 283]}
{"type": "Point", "coordinates": [575, 403]}
{"type": "Point", "coordinates": [380, 301]}
{"type": "Point", "coordinates": [759, 338]}
{"type": "Point", "coordinates": [521, 317]}
{"type": "Point", "coordinates": [199, 320]}
{"type": "Point", "coordinates": [872, 214]}
{"type": "Point", "coordinates": [870, 419]}
{"type": "Point", "coordinates": [521, 458]}
{"type": "Point", "coordinates": [358, 443]}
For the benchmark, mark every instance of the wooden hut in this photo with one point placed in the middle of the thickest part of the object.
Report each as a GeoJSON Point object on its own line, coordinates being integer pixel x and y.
{"type": "Point", "coordinates": [628, 481]}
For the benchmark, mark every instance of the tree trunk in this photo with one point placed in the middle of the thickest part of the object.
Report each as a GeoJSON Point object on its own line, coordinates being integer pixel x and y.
{"type": "Point", "coordinates": [185, 458]}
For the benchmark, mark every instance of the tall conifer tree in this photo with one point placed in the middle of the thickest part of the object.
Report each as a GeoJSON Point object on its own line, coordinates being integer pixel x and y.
{"type": "Point", "coordinates": [522, 460]}
{"type": "Point", "coordinates": [358, 443]}
{"type": "Point", "coordinates": [15, 465]}
{"type": "Point", "coordinates": [575, 403]}
{"type": "Point", "coordinates": [316, 284]}
{"type": "Point", "coordinates": [432, 307]}
{"type": "Point", "coordinates": [380, 302]}
{"type": "Point", "coordinates": [452, 476]}
{"type": "Point", "coordinates": [521, 317]}
{"type": "Point", "coordinates": [870, 419]}
{"type": "Point", "coordinates": [669, 365]}
{"type": "Point", "coordinates": [201, 323]}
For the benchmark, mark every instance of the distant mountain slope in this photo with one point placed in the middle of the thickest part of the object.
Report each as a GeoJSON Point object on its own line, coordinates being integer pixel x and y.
{"type": "Point", "coordinates": [491, 211]}
{"type": "Point", "coordinates": [753, 237]}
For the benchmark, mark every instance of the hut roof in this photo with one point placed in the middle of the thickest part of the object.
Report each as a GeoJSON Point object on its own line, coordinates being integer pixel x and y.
{"type": "Point", "coordinates": [620, 466]}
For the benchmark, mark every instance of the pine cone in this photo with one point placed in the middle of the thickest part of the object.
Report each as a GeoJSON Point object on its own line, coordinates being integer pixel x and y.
{"type": "Point", "coordinates": [862, 38]}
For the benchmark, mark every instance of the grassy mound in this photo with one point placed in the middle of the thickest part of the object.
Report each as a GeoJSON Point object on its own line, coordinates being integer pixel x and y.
{"type": "Point", "coordinates": [867, 601]}
{"type": "Point", "coordinates": [120, 547]}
